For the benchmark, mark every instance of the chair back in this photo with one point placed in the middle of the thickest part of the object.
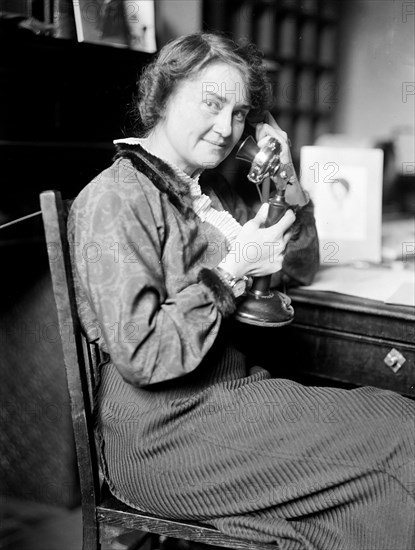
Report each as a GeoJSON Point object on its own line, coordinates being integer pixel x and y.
{"type": "Point", "coordinates": [101, 520]}
{"type": "Point", "coordinates": [80, 357]}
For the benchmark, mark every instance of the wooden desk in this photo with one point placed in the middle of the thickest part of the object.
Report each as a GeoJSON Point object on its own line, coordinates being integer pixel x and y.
{"type": "Point", "coordinates": [347, 339]}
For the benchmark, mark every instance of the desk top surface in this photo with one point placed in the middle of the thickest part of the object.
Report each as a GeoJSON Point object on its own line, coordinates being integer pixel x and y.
{"type": "Point", "coordinates": [345, 302]}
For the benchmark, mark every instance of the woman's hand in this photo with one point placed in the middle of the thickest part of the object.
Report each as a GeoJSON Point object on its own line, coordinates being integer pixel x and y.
{"type": "Point", "coordinates": [258, 251]}
{"type": "Point", "coordinates": [270, 129]}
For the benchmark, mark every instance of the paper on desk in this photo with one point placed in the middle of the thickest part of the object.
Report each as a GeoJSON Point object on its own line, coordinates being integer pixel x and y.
{"type": "Point", "coordinates": [405, 295]}
{"type": "Point", "coordinates": [392, 286]}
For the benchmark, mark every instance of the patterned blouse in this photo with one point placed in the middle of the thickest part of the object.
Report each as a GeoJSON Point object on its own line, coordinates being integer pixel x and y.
{"type": "Point", "coordinates": [142, 264]}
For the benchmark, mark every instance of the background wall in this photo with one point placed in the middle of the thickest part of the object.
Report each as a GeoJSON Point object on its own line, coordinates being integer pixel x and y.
{"type": "Point", "coordinates": [376, 67]}
{"type": "Point", "coordinates": [176, 17]}
{"type": "Point", "coordinates": [375, 94]}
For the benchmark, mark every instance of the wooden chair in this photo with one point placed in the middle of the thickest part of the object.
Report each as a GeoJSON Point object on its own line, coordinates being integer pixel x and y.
{"type": "Point", "coordinates": [104, 517]}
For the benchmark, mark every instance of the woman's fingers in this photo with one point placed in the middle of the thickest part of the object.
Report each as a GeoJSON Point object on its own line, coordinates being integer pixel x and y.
{"type": "Point", "coordinates": [262, 214]}
{"type": "Point", "coordinates": [266, 133]}
{"type": "Point", "coordinates": [270, 129]}
{"type": "Point", "coordinates": [263, 141]}
{"type": "Point", "coordinates": [279, 233]}
{"type": "Point", "coordinates": [278, 228]}
{"type": "Point", "coordinates": [270, 120]}
{"type": "Point", "coordinates": [281, 227]}
{"type": "Point", "coordinates": [269, 125]}
{"type": "Point", "coordinates": [271, 241]}
{"type": "Point", "coordinates": [286, 237]}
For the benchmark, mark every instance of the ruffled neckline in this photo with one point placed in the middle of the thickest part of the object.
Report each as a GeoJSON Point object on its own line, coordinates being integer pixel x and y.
{"type": "Point", "coordinates": [201, 203]}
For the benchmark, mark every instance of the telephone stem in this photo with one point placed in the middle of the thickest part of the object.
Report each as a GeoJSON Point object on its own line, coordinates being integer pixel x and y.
{"type": "Point", "coordinates": [266, 188]}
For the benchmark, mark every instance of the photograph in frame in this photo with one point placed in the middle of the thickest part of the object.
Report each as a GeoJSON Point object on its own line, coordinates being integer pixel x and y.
{"type": "Point", "coordinates": [122, 23]}
{"type": "Point", "coordinates": [101, 22]}
{"type": "Point", "coordinates": [345, 185]}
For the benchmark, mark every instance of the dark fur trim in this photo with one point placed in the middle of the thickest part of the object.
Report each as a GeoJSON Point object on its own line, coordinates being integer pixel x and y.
{"type": "Point", "coordinates": [224, 298]}
{"type": "Point", "coordinates": [301, 261]}
{"type": "Point", "coordinates": [302, 216]}
{"type": "Point", "coordinates": [160, 174]}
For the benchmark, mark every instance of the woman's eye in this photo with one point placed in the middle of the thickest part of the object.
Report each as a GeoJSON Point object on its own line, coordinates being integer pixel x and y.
{"type": "Point", "coordinates": [240, 115]}
{"type": "Point", "coordinates": [213, 105]}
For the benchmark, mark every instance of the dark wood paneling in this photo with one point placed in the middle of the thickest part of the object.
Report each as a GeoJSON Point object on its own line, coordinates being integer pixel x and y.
{"type": "Point", "coordinates": [61, 105]}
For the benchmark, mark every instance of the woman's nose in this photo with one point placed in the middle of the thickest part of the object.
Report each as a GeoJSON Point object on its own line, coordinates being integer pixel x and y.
{"type": "Point", "coordinates": [223, 123]}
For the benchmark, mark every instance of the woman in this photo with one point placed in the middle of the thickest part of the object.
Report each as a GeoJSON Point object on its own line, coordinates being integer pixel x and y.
{"type": "Point", "coordinates": [187, 429]}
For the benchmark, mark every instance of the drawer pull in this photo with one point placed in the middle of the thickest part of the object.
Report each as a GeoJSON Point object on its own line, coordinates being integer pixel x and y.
{"type": "Point", "coordinates": [394, 360]}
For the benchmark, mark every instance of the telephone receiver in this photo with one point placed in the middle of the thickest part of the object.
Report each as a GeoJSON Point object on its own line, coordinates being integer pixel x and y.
{"type": "Point", "coordinates": [264, 162]}
{"type": "Point", "coordinates": [262, 306]}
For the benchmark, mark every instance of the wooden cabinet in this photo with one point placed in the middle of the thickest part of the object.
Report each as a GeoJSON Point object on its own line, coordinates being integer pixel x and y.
{"type": "Point", "coordinates": [352, 340]}
{"type": "Point", "coordinates": [340, 340]}
{"type": "Point", "coordinates": [61, 105]}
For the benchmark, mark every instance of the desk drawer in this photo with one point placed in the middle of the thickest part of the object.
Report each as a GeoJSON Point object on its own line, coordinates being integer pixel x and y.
{"type": "Point", "coordinates": [348, 357]}
{"type": "Point", "coordinates": [354, 315]}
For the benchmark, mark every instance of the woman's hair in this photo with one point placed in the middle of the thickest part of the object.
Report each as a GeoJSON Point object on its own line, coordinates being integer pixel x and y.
{"type": "Point", "coordinates": [183, 58]}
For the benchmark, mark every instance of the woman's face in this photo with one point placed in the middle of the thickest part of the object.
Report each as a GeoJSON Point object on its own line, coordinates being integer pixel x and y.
{"type": "Point", "coordinates": [204, 118]}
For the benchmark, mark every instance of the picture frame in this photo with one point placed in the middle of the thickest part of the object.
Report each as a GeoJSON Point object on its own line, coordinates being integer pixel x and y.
{"type": "Point", "coordinates": [14, 8]}
{"type": "Point", "coordinates": [121, 23]}
{"type": "Point", "coordinates": [101, 22]}
{"type": "Point", "coordinates": [345, 185]}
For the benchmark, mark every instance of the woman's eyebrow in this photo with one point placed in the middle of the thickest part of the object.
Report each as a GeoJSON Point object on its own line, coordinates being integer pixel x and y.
{"type": "Point", "coordinates": [222, 99]}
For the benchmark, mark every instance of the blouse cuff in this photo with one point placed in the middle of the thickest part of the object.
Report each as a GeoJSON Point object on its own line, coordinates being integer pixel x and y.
{"type": "Point", "coordinates": [223, 295]}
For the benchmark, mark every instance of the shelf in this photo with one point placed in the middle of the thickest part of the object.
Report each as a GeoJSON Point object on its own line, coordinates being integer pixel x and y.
{"type": "Point", "coordinates": [58, 90]}
{"type": "Point", "coordinates": [26, 46]}
{"type": "Point", "coordinates": [58, 144]}
{"type": "Point", "coordinates": [299, 39]}
{"type": "Point", "coordinates": [23, 241]}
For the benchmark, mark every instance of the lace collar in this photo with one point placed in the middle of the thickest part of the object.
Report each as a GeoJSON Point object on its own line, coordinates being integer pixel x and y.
{"type": "Point", "coordinates": [201, 203]}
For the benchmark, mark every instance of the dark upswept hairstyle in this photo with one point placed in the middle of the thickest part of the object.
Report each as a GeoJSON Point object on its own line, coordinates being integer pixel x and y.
{"type": "Point", "coordinates": [183, 58]}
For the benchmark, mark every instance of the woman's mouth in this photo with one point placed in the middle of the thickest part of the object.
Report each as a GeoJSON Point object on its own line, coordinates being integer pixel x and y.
{"type": "Point", "coordinates": [221, 144]}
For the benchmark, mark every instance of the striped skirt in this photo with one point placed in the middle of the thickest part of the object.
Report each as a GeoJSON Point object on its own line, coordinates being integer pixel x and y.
{"type": "Point", "coordinates": [266, 459]}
